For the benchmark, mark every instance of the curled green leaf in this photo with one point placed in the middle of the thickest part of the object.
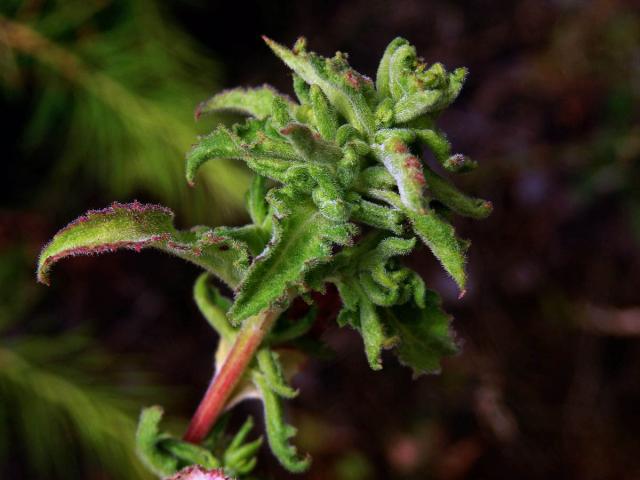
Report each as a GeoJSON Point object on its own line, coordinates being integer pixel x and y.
{"type": "Point", "coordinates": [278, 431]}
{"type": "Point", "coordinates": [345, 88]}
{"type": "Point", "coordinates": [447, 194]}
{"type": "Point", "coordinates": [251, 142]}
{"type": "Point", "coordinates": [302, 239]}
{"type": "Point", "coordinates": [256, 102]}
{"type": "Point", "coordinates": [383, 76]}
{"type": "Point", "coordinates": [423, 333]}
{"type": "Point", "coordinates": [136, 226]}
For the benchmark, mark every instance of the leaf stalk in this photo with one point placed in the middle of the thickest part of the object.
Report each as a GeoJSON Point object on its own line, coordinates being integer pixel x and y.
{"type": "Point", "coordinates": [225, 381]}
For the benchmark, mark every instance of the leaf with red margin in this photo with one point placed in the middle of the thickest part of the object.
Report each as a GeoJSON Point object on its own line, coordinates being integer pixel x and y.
{"type": "Point", "coordinates": [136, 226]}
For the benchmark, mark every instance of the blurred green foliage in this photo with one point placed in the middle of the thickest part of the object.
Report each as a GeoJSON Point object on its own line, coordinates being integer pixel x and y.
{"type": "Point", "coordinates": [56, 417]}
{"type": "Point", "coordinates": [94, 78]}
{"type": "Point", "coordinates": [111, 86]}
{"type": "Point", "coordinates": [62, 413]}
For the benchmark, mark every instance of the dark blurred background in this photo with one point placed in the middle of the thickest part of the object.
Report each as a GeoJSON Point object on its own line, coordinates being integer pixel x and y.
{"type": "Point", "coordinates": [96, 102]}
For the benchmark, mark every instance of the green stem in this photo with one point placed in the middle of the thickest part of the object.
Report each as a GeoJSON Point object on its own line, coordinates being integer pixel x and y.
{"type": "Point", "coordinates": [227, 378]}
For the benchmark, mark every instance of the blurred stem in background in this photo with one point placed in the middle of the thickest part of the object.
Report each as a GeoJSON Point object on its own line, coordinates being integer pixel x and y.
{"type": "Point", "coordinates": [111, 86]}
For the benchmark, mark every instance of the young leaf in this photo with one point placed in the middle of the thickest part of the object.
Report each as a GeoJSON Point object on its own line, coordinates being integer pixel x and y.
{"type": "Point", "coordinates": [239, 457]}
{"type": "Point", "coordinates": [256, 200]}
{"type": "Point", "coordinates": [136, 226]}
{"type": "Point", "coordinates": [302, 89]}
{"type": "Point", "coordinates": [344, 87]}
{"type": "Point", "coordinates": [272, 370]}
{"type": "Point", "coordinates": [415, 105]}
{"type": "Point", "coordinates": [377, 216]}
{"type": "Point", "coordinates": [310, 146]}
{"type": "Point", "coordinates": [407, 171]}
{"type": "Point", "coordinates": [324, 114]}
{"type": "Point", "coordinates": [447, 194]}
{"type": "Point", "coordinates": [148, 436]}
{"type": "Point", "coordinates": [250, 142]}
{"type": "Point", "coordinates": [256, 102]}
{"type": "Point", "coordinates": [213, 307]}
{"type": "Point", "coordinates": [440, 237]}
{"type": "Point", "coordinates": [367, 322]}
{"type": "Point", "coordinates": [278, 431]}
{"type": "Point", "coordinates": [438, 234]}
{"type": "Point", "coordinates": [383, 75]}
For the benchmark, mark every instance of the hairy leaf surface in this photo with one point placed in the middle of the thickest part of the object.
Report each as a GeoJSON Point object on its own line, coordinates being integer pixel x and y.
{"type": "Point", "coordinates": [302, 239]}
{"type": "Point", "coordinates": [256, 102]}
{"type": "Point", "coordinates": [137, 226]}
{"type": "Point", "coordinates": [424, 335]}
{"type": "Point", "coordinates": [343, 86]}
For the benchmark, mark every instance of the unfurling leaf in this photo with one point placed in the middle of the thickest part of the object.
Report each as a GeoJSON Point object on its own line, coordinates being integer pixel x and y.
{"type": "Point", "coordinates": [136, 226]}
{"type": "Point", "coordinates": [438, 234]}
{"type": "Point", "coordinates": [345, 88]}
{"type": "Point", "coordinates": [278, 431]}
{"type": "Point", "coordinates": [163, 454]}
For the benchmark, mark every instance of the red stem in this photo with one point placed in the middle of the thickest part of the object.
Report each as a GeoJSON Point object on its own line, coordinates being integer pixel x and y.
{"type": "Point", "coordinates": [226, 380]}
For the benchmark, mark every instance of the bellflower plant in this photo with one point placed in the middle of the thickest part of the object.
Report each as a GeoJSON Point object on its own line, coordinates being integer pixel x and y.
{"type": "Point", "coordinates": [340, 194]}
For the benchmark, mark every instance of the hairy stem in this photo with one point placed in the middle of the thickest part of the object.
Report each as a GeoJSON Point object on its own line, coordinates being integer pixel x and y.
{"type": "Point", "coordinates": [225, 381]}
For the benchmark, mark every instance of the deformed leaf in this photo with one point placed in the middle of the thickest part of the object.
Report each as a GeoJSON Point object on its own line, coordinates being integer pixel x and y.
{"type": "Point", "coordinates": [302, 239]}
{"type": "Point", "coordinates": [447, 194]}
{"type": "Point", "coordinates": [407, 171]}
{"type": "Point", "coordinates": [251, 142]}
{"type": "Point", "coordinates": [136, 226]}
{"type": "Point", "coordinates": [256, 102]}
{"type": "Point", "coordinates": [345, 88]}
{"type": "Point", "coordinates": [383, 75]}
{"type": "Point", "coordinates": [148, 435]}
{"type": "Point", "coordinates": [438, 234]}
{"type": "Point", "coordinates": [424, 335]}
{"type": "Point", "coordinates": [278, 431]}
